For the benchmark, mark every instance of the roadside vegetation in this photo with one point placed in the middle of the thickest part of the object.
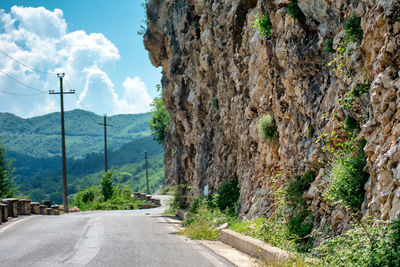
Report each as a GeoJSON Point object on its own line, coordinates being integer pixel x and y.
{"type": "Point", "coordinates": [106, 196]}
{"type": "Point", "coordinates": [7, 185]}
{"type": "Point", "coordinates": [160, 120]}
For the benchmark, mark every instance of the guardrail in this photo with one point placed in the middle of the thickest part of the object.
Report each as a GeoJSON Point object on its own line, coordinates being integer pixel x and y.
{"type": "Point", "coordinates": [150, 201]}
{"type": "Point", "coordinates": [13, 207]}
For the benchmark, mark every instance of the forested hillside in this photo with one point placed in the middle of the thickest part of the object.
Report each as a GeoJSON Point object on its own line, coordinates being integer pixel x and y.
{"type": "Point", "coordinates": [35, 146]}
{"type": "Point", "coordinates": [40, 136]}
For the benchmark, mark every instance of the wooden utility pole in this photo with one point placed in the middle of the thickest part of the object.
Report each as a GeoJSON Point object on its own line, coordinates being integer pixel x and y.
{"type": "Point", "coordinates": [64, 160]}
{"type": "Point", "coordinates": [147, 174]}
{"type": "Point", "coordinates": [105, 142]}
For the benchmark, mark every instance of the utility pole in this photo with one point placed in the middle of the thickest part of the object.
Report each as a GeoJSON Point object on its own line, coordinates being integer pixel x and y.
{"type": "Point", "coordinates": [64, 160]}
{"type": "Point", "coordinates": [105, 141]}
{"type": "Point", "coordinates": [147, 174]}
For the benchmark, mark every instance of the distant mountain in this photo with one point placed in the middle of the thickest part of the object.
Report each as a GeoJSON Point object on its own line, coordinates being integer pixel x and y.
{"type": "Point", "coordinates": [41, 136]}
{"type": "Point", "coordinates": [35, 146]}
{"type": "Point", "coordinates": [40, 178]}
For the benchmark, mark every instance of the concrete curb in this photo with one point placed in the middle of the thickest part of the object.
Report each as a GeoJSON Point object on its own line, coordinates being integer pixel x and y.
{"type": "Point", "coordinates": [248, 245]}
{"type": "Point", "coordinates": [253, 247]}
{"type": "Point", "coordinates": [182, 214]}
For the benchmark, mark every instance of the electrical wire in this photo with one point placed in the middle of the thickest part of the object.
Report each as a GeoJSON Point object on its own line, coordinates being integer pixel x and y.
{"type": "Point", "coordinates": [23, 64]}
{"type": "Point", "coordinates": [24, 84]}
{"type": "Point", "coordinates": [16, 94]}
{"type": "Point", "coordinates": [79, 102]}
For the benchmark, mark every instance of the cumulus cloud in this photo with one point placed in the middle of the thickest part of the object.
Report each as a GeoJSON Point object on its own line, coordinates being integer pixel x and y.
{"type": "Point", "coordinates": [39, 38]}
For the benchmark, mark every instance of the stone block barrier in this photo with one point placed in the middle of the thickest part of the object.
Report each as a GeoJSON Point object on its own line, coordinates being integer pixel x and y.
{"type": "Point", "coordinates": [13, 207]}
{"type": "Point", "coordinates": [12, 204]}
{"type": "Point", "coordinates": [4, 212]}
{"type": "Point", "coordinates": [35, 208]}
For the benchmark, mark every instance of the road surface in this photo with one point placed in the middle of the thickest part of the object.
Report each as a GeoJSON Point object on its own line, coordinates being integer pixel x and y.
{"type": "Point", "coordinates": [101, 238]}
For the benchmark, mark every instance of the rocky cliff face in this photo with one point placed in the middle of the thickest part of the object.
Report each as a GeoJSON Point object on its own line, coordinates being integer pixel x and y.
{"type": "Point", "coordinates": [220, 76]}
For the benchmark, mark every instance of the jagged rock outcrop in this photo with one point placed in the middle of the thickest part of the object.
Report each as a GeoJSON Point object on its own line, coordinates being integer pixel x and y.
{"type": "Point", "coordinates": [220, 76]}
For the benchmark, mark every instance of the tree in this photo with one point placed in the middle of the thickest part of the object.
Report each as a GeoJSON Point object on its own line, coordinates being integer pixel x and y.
{"type": "Point", "coordinates": [107, 188]}
{"type": "Point", "coordinates": [160, 120]}
{"type": "Point", "coordinates": [7, 185]}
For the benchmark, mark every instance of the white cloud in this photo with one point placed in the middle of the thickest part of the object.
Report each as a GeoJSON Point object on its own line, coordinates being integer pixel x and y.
{"type": "Point", "coordinates": [39, 38]}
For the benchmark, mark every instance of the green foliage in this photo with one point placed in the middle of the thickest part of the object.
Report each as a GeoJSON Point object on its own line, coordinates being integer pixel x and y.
{"type": "Point", "coordinates": [143, 25]}
{"type": "Point", "coordinates": [228, 196]}
{"type": "Point", "coordinates": [107, 185]}
{"type": "Point", "coordinates": [347, 178]}
{"type": "Point", "coordinates": [329, 46]}
{"type": "Point", "coordinates": [215, 103]}
{"type": "Point", "coordinates": [361, 89]}
{"type": "Point", "coordinates": [7, 185]}
{"type": "Point", "coordinates": [266, 127]}
{"type": "Point", "coordinates": [160, 120]}
{"type": "Point", "coordinates": [294, 10]}
{"type": "Point", "coordinates": [365, 245]}
{"type": "Point", "coordinates": [262, 24]}
{"type": "Point", "coordinates": [311, 132]}
{"type": "Point", "coordinates": [203, 218]}
{"type": "Point", "coordinates": [299, 217]}
{"type": "Point", "coordinates": [351, 124]}
{"type": "Point", "coordinates": [93, 199]}
{"type": "Point", "coordinates": [338, 63]}
{"type": "Point", "coordinates": [353, 29]}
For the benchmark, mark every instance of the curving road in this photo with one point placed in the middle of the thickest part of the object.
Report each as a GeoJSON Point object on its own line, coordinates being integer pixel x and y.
{"type": "Point", "coordinates": [101, 238]}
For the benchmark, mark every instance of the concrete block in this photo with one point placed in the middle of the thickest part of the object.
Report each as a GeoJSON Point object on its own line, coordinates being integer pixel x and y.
{"type": "Point", "coordinates": [12, 204]}
{"type": "Point", "coordinates": [253, 247]}
{"type": "Point", "coordinates": [56, 209]}
{"type": "Point", "coordinates": [49, 211]}
{"type": "Point", "coordinates": [43, 209]}
{"type": "Point", "coordinates": [35, 208]}
{"type": "Point", "coordinates": [4, 212]}
{"type": "Point", "coordinates": [24, 206]}
{"type": "Point", "coordinates": [182, 214]}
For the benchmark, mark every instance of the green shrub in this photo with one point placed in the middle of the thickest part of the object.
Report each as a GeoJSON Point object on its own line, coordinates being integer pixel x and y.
{"type": "Point", "coordinates": [88, 196]}
{"type": "Point", "coordinates": [228, 196]}
{"type": "Point", "coordinates": [215, 103]}
{"type": "Point", "coordinates": [299, 217]}
{"type": "Point", "coordinates": [365, 245]}
{"type": "Point", "coordinates": [294, 10]}
{"type": "Point", "coordinates": [297, 185]}
{"type": "Point", "coordinates": [266, 127]}
{"type": "Point", "coordinates": [202, 219]}
{"type": "Point", "coordinates": [107, 186]}
{"type": "Point", "coordinates": [347, 178]}
{"type": "Point", "coordinates": [329, 46]}
{"type": "Point", "coordinates": [263, 24]}
{"type": "Point", "coordinates": [311, 132]}
{"type": "Point", "coordinates": [353, 29]}
{"type": "Point", "coordinates": [361, 89]}
{"type": "Point", "coordinates": [351, 124]}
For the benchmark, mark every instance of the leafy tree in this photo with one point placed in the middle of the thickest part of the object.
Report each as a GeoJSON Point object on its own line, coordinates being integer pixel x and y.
{"type": "Point", "coordinates": [160, 120]}
{"type": "Point", "coordinates": [7, 186]}
{"type": "Point", "coordinates": [107, 186]}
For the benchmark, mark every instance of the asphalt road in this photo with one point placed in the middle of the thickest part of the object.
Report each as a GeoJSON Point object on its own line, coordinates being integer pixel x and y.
{"type": "Point", "coordinates": [101, 238]}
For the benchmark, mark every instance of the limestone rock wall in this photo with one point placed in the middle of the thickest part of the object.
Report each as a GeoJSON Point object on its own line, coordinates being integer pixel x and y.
{"type": "Point", "coordinates": [220, 76]}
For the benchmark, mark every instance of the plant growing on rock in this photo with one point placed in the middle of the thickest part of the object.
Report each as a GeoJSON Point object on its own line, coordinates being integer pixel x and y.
{"type": "Point", "coordinates": [311, 132]}
{"type": "Point", "coordinates": [353, 29]}
{"type": "Point", "coordinates": [215, 103]}
{"type": "Point", "coordinates": [267, 128]}
{"type": "Point", "coordinates": [351, 124]}
{"type": "Point", "coordinates": [329, 46]}
{"type": "Point", "coordinates": [347, 178]}
{"type": "Point", "coordinates": [294, 9]}
{"type": "Point", "coordinates": [263, 24]}
{"type": "Point", "coordinates": [361, 89]}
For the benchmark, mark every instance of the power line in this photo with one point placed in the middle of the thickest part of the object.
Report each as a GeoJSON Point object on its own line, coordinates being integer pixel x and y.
{"type": "Point", "coordinates": [16, 94]}
{"type": "Point", "coordinates": [23, 64]}
{"type": "Point", "coordinates": [24, 84]}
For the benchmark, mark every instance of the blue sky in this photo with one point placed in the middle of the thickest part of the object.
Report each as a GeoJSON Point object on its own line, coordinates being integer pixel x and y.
{"type": "Point", "coordinates": [94, 41]}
